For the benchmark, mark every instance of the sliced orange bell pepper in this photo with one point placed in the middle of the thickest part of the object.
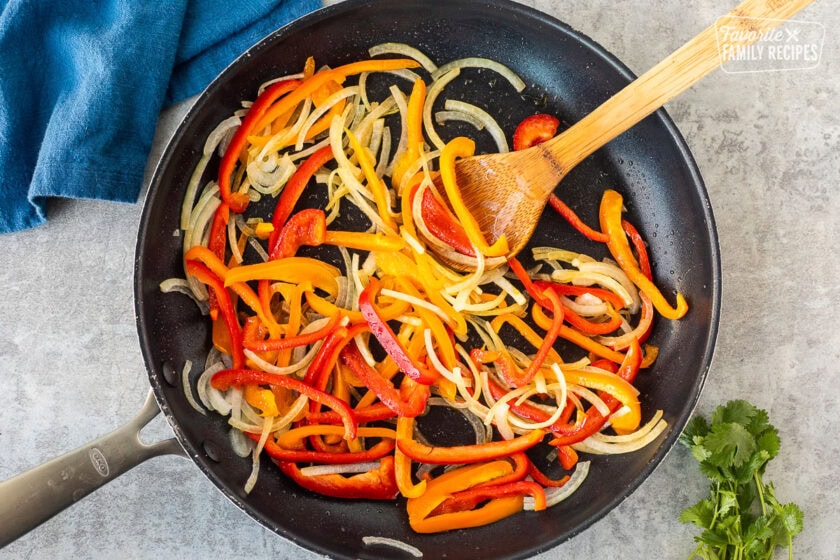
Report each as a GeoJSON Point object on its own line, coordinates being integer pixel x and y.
{"type": "Point", "coordinates": [444, 486]}
{"type": "Point", "coordinates": [292, 270]}
{"type": "Point", "coordinates": [402, 463]}
{"type": "Point", "coordinates": [477, 453]}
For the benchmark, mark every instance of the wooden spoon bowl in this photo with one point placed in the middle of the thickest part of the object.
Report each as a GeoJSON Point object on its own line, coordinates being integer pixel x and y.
{"type": "Point", "coordinates": [507, 193]}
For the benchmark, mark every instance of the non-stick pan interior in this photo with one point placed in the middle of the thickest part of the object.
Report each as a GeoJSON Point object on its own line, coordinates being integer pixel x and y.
{"type": "Point", "coordinates": [567, 75]}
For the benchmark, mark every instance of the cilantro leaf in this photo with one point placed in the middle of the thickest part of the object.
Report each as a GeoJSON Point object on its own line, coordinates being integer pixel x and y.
{"type": "Point", "coordinates": [734, 412]}
{"type": "Point", "coordinates": [730, 444]}
{"type": "Point", "coordinates": [701, 514]}
{"type": "Point", "coordinates": [694, 431]}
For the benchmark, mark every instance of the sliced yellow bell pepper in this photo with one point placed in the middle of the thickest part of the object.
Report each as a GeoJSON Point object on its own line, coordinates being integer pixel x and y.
{"type": "Point", "coordinates": [609, 213]}
{"type": "Point", "coordinates": [456, 148]}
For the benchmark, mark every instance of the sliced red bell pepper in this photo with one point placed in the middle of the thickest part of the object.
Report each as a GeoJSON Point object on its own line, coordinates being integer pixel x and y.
{"type": "Point", "coordinates": [477, 453]}
{"type": "Point", "coordinates": [466, 500]}
{"type": "Point", "coordinates": [570, 290]}
{"type": "Point", "coordinates": [443, 224]}
{"type": "Point", "coordinates": [640, 246]}
{"type": "Point", "coordinates": [257, 344]}
{"type": "Point", "coordinates": [376, 484]}
{"type": "Point", "coordinates": [239, 201]}
{"type": "Point", "coordinates": [307, 227]}
{"type": "Point", "coordinates": [205, 275]}
{"type": "Point", "coordinates": [366, 414]}
{"type": "Point", "coordinates": [378, 451]}
{"type": "Point", "coordinates": [217, 242]}
{"type": "Point", "coordinates": [574, 220]}
{"type": "Point", "coordinates": [411, 407]}
{"type": "Point", "coordinates": [534, 130]}
{"type": "Point", "coordinates": [293, 189]}
{"type": "Point", "coordinates": [506, 367]}
{"type": "Point", "coordinates": [590, 327]}
{"type": "Point", "coordinates": [227, 377]}
{"type": "Point", "coordinates": [543, 480]}
{"type": "Point", "coordinates": [386, 337]}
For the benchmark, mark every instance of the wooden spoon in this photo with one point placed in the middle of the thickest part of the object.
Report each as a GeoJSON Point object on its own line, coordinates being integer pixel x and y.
{"type": "Point", "coordinates": [507, 192]}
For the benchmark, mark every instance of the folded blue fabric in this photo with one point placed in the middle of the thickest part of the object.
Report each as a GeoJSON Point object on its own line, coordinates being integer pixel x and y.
{"type": "Point", "coordinates": [82, 84]}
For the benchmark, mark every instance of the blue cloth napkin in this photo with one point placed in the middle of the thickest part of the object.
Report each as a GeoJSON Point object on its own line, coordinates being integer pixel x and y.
{"type": "Point", "coordinates": [82, 83]}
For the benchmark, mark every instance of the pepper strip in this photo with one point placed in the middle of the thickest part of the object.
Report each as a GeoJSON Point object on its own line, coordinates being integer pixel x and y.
{"type": "Point", "coordinates": [294, 188]}
{"type": "Point", "coordinates": [236, 376]}
{"type": "Point", "coordinates": [239, 201]}
{"type": "Point", "coordinates": [414, 133]}
{"type": "Point", "coordinates": [639, 245]}
{"type": "Point", "coordinates": [378, 484]}
{"type": "Point", "coordinates": [258, 345]}
{"type": "Point", "coordinates": [402, 463]}
{"type": "Point", "coordinates": [381, 449]}
{"type": "Point", "coordinates": [571, 290]}
{"type": "Point", "coordinates": [440, 488]}
{"type": "Point", "coordinates": [290, 270]}
{"type": "Point", "coordinates": [543, 480]}
{"type": "Point", "coordinates": [375, 484]}
{"type": "Point", "coordinates": [569, 215]}
{"type": "Point", "coordinates": [442, 224]}
{"type": "Point", "coordinates": [307, 227]}
{"type": "Point", "coordinates": [212, 262]}
{"type": "Point", "coordinates": [386, 337]}
{"type": "Point", "coordinates": [204, 274]}
{"type": "Point", "coordinates": [338, 75]}
{"type": "Point", "coordinates": [364, 241]}
{"type": "Point", "coordinates": [610, 216]}
{"type": "Point", "coordinates": [464, 147]}
{"type": "Point", "coordinates": [351, 357]}
{"type": "Point", "coordinates": [469, 453]}
{"type": "Point", "coordinates": [467, 499]}
{"type": "Point", "coordinates": [377, 187]}
{"type": "Point", "coordinates": [570, 334]}
{"type": "Point", "coordinates": [543, 349]}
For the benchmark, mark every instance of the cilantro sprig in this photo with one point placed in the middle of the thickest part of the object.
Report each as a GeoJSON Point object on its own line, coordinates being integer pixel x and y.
{"type": "Point", "coordinates": [741, 519]}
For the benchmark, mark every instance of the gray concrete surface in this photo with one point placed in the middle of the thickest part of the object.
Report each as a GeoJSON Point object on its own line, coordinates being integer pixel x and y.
{"type": "Point", "coordinates": [768, 145]}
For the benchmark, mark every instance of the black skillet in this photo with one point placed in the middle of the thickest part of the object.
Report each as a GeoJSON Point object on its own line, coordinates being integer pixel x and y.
{"type": "Point", "coordinates": [567, 74]}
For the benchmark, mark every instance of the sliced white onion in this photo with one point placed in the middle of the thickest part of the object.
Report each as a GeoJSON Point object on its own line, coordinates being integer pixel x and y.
{"type": "Point", "coordinates": [489, 122]}
{"type": "Point", "coordinates": [352, 468]}
{"type": "Point", "coordinates": [476, 62]}
{"type": "Point", "coordinates": [321, 110]}
{"type": "Point", "coordinates": [192, 189]}
{"type": "Point", "coordinates": [554, 496]}
{"type": "Point", "coordinates": [185, 382]}
{"type": "Point", "coordinates": [181, 285]}
{"type": "Point", "coordinates": [597, 446]}
{"type": "Point", "coordinates": [404, 50]}
{"type": "Point", "coordinates": [432, 94]}
{"type": "Point", "coordinates": [371, 540]}
{"type": "Point", "coordinates": [239, 443]}
{"type": "Point", "coordinates": [204, 389]}
{"type": "Point", "coordinates": [442, 117]}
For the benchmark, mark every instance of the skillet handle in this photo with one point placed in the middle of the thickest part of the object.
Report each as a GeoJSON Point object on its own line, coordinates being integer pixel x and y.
{"type": "Point", "coordinates": [32, 497]}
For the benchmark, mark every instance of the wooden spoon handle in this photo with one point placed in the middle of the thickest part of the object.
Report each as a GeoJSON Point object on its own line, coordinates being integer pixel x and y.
{"type": "Point", "coordinates": [666, 80]}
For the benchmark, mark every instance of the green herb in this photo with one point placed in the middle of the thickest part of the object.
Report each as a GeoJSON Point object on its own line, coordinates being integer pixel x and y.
{"type": "Point", "coordinates": [742, 519]}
